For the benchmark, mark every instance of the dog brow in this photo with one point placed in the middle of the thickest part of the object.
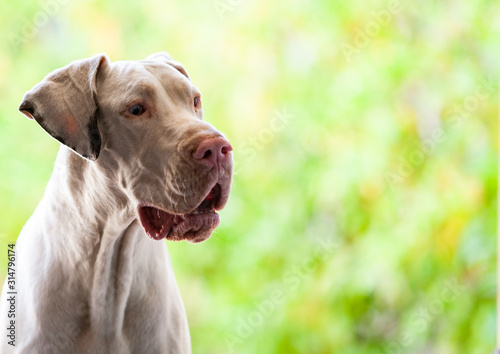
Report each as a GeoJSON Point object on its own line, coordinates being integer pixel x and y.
{"type": "Point", "coordinates": [141, 89]}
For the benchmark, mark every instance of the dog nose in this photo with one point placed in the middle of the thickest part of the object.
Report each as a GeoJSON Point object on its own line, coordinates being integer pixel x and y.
{"type": "Point", "coordinates": [213, 152]}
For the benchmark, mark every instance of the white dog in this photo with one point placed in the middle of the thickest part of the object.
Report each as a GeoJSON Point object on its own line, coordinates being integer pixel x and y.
{"type": "Point", "coordinates": [137, 159]}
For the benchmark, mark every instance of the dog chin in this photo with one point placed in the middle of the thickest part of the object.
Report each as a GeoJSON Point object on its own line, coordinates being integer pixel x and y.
{"type": "Point", "coordinates": [193, 227]}
{"type": "Point", "coordinates": [196, 226]}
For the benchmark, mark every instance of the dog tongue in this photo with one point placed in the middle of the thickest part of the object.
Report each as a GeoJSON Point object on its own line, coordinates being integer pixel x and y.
{"type": "Point", "coordinates": [157, 223]}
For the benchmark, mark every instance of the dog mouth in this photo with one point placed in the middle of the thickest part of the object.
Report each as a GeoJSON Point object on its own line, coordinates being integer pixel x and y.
{"type": "Point", "coordinates": [195, 226]}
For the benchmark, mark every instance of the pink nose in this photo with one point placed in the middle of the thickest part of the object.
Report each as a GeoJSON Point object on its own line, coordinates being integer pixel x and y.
{"type": "Point", "coordinates": [213, 152]}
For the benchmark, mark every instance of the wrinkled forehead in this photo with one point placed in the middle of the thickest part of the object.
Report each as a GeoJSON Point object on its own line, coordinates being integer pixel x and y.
{"type": "Point", "coordinates": [146, 77]}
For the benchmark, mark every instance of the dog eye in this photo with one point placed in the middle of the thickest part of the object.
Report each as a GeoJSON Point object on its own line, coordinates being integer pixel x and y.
{"type": "Point", "coordinates": [137, 109]}
{"type": "Point", "coordinates": [196, 101]}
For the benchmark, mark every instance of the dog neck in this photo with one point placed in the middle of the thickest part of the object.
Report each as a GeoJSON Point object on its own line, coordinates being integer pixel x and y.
{"type": "Point", "coordinates": [95, 236]}
{"type": "Point", "coordinates": [89, 204]}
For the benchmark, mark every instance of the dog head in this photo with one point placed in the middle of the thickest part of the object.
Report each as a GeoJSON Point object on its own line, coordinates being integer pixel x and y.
{"type": "Point", "coordinates": [141, 124]}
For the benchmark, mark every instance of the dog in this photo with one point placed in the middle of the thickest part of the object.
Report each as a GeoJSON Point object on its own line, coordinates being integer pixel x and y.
{"type": "Point", "coordinates": [137, 164]}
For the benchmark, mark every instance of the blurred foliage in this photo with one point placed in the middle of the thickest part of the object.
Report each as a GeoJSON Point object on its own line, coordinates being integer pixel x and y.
{"type": "Point", "coordinates": [363, 211]}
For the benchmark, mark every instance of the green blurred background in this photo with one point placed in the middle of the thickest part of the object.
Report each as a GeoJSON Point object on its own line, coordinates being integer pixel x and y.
{"type": "Point", "coordinates": [363, 212]}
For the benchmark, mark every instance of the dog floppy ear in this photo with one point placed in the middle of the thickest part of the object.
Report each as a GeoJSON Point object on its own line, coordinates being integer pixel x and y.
{"type": "Point", "coordinates": [166, 58]}
{"type": "Point", "coordinates": [64, 104]}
